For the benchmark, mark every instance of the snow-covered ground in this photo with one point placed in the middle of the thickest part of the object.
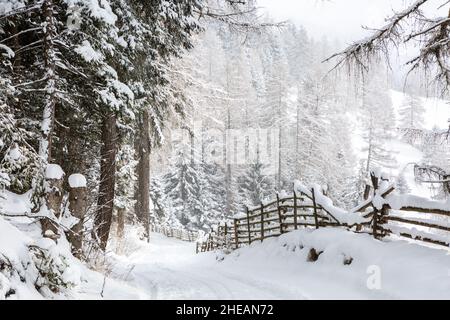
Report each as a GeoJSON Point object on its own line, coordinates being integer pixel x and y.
{"type": "Point", "coordinates": [279, 269]}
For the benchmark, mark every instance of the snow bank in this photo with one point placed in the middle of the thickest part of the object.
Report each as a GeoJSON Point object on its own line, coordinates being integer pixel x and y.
{"type": "Point", "coordinates": [13, 244]}
{"type": "Point", "coordinates": [33, 267]}
{"type": "Point", "coordinates": [349, 266]}
{"type": "Point", "coordinates": [14, 204]}
{"type": "Point", "coordinates": [77, 180]}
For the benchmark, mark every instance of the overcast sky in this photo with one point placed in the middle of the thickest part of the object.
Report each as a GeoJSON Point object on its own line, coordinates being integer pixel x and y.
{"type": "Point", "coordinates": [340, 19]}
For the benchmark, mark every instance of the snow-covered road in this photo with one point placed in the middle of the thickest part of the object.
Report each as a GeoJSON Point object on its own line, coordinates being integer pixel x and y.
{"type": "Point", "coordinates": [278, 269]}
{"type": "Point", "coordinates": [170, 269]}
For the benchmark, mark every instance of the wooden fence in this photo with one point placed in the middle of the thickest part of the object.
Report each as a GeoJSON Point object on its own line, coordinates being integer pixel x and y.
{"type": "Point", "coordinates": [221, 237]}
{"type": "Point", "coordinates": [302, 210]}
{"type": "Point", "coordinates": [406, 216]}
{"type": "Point", "coordinates": [181, 234]}
{"type": "Point", "coordinates": [271, 219]}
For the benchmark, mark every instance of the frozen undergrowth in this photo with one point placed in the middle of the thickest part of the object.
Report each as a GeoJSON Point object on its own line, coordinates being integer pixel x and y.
{"type": "Point", "coordinates": [33, 267]}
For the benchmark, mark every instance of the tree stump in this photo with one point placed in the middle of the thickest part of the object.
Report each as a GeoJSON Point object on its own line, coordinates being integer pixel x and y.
{"type": "Point", "coordinates": [54, 179]}
{"type": "Point", "coordinates": [77, 208]}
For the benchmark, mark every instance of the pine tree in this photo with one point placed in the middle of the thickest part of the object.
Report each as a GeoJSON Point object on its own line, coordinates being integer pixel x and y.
{"type": "Point", "coordinates": [125, 179]}
{"type": "Point", "coordinates": [159, 210]}
{"type": "Point", "coordinates": [20, 165]}
{"type": "Point", "coordinates": [411, 117]}
{"type": "Point", "coordinates": [254, 185]}
{"type": "Point", "coordinates": [182, 185]}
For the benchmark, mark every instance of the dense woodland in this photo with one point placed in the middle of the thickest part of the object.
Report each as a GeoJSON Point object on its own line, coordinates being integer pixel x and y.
{"type": "Point", "coordinates": [148, 99]}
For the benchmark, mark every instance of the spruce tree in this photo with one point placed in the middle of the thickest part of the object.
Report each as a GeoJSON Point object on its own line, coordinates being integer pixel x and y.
{"type": "Point", "coordinates": [255, 185]}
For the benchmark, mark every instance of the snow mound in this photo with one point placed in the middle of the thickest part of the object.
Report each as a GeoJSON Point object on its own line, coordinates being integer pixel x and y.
{"type": "Point", "coordinates": [77, 180]}
{"type": "Point", "coordinates": [333, 263]}
{"type": "Point", "coordinates": [33, 267]}
{"type": "Point", "coordinates": [54, 172]}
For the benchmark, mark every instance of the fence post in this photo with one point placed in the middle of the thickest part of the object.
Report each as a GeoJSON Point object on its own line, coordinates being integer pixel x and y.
{"type": "Point", "coordinates": [383, 218]}
{"type": "Point", "coordinates": [316, 221]}
{"type": "Point", "coordinates": [248, 226]}
{"type": "Point", "coordinates": [280, 218]}
{"type": "Point", "coordinates": [236, 237]}
{"type": "Point", "coordinates": [375, 223]}
{"type": "Point", "coordinates": [262, 222]}
{"type": "Point", "coordinates": [366, 192]}
{"type": "Point", "coordinates": [374, 180]}
{"type": "Point", "coordinates": [295, 211]}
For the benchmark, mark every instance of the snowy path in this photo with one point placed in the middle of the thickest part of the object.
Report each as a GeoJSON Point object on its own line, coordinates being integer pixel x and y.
{"type": "Point", "coordinates": [170, 269]}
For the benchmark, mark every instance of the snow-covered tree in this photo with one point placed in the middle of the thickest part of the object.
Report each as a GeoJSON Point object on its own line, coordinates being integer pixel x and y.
{"type": "Point", "coordinates": [401, 184]}
{"type": "Point", "coordinates": [411, 115]}
{"type": "Point", "coordinates": [276, 102]}
{"type": "Point", "coordinates": [378, 122]}
{"type": "Point", "coordinates": [255, 185]}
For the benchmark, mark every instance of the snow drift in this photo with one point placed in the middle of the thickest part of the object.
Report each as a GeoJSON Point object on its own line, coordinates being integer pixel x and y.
{"type": "Point", "coordinates": [338, 264]}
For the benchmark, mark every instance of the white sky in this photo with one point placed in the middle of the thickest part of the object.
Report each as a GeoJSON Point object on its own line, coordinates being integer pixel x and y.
{"type": "Point", "coordinates": [337, 19]}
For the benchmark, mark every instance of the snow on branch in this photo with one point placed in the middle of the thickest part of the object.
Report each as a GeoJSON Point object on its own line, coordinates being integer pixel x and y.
{"type": "Point", "coordinates": [431, 34]}
{"type": "Point", "coordinates": [239, 15]}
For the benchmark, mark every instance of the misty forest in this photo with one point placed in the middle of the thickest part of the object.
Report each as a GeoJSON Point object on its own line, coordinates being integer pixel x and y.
{"type": "Point", "coordinates": [207, 149]}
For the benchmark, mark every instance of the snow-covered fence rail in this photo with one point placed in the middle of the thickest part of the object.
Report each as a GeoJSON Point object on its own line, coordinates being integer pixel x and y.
{"type": "Point", "coordinates": [406, 215]}
{"type": "Point", "coordinates": [382, 213]}
{"type": "Point", "coordinates": [181, 234]}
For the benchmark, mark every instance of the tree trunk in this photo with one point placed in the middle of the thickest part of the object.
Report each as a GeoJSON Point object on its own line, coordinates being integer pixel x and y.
{"type": "Point", "coordinates": [279, 182]}
{"type": "Point", "coordinates": [120, 223]}
{"type": "Point", "coordinates": [105, 204]}
{"type": "Point", "coordinates": [52, 188]}
{"type": "Point", "coordinates": [297, 142]}
{"type": "Point", "coordinates": [144, 175]}
{"type": "Point", "coordinates": [228, 174]}
{"type": "Point", "coordinates": [48, 117]}
{"type": "Point", "coordinates": [137, 194]}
